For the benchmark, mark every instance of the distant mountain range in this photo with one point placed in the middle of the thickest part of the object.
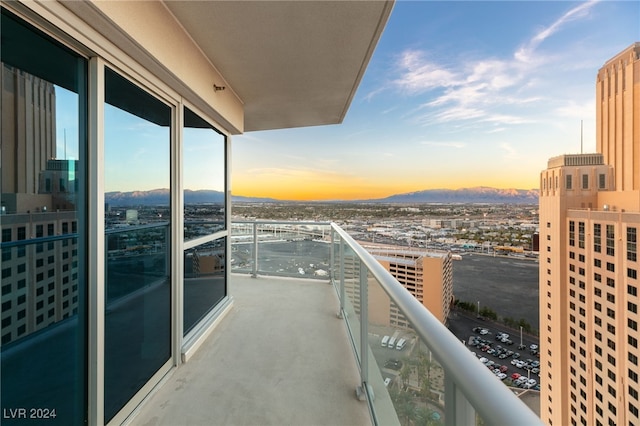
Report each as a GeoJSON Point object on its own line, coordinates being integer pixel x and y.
{"type": "Point", "coordinates": [159, 197]}
{"type": "Point", "coordinates": [479, 194]}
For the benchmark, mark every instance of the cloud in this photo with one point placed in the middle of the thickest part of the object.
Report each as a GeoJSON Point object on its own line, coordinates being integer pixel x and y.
{"type": "Point", "coordinates": [574, 110]}
{"type": "Point", "coordinates": [420, 75]}
{"type": "Point", "coordinates": [526, 52]}
{"type": "Point", "coordinates": [499, 90]}
{"type": "Point", "coordinates": [457, 145]}
{"type": "Point", "coordinates": [509, 152]}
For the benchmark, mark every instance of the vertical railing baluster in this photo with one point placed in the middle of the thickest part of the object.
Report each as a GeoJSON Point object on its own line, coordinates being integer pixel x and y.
{"type": "Point", "coordinates": [364, 333]}
{"type": "Point", "coordinates": [332, 257]}
{"type": "Point", "coordinates": [458, 410]}
{"type": "Point", "coordinates": [342, 289]}
{"type": "Point", "coordinates": [254, 269]}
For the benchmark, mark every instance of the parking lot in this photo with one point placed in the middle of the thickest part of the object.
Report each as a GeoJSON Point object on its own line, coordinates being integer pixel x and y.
{"type": "Point", "coordinates": [507, 285]}
{"type": "Point", "coordinates": [486, 340]}
{"type": "Point", "coordinates": [517, 363]}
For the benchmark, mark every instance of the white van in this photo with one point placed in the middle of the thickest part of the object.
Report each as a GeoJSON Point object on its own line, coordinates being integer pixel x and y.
{"type": "Point", "coordinates": [400, 344]}
{"type": "Point", "coordinates": [384, 342]}
{"type": "Point", "coordinates": [392, 342]}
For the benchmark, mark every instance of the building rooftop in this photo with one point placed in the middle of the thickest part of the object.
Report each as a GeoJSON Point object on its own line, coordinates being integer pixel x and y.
{"type": "Point", "coordinates": [576, 160]}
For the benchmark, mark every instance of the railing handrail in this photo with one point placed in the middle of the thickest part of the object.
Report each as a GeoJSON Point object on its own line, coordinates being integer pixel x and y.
{"type": "Point", "coordinates": [495, 403]}
{"type": "Point", "coordinates": [121, 229]}
{"type": "Point", "coordinates": [282, 222]}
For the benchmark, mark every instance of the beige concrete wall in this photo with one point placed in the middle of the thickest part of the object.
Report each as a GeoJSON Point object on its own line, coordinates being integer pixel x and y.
{"type": "Point", "coordinates": [553, 306]}
{"type": "Point", "coordinates": [618, 116]}
{"type": "Point", "coordinates": [156, 31]}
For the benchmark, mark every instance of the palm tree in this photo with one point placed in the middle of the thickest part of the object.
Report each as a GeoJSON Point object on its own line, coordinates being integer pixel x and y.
{"type": "Point", "coordinates": [420, 366]}
{"type": "Point", "coordinates": [405, 373]}
{"type": "Point", "coordinates": [406, 408]}
{"type": "Point", "coordinates": [426, 416]}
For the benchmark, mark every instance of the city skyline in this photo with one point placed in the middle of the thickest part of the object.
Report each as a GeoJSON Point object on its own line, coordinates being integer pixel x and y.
{"type": "Point", "coordinates": [457, 94]}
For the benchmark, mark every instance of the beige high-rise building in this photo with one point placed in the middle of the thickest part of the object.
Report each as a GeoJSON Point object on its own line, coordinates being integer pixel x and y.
{"type": "Point", "coordinates": [427, 276]}
{"type": "Point", "coordinates": [589, 221]}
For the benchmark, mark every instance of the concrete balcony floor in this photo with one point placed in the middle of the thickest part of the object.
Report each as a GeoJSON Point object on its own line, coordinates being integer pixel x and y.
{"type": "Point", "coordinates": [279, 357]}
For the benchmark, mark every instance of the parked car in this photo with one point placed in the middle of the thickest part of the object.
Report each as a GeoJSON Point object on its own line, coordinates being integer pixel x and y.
{"type": "Point", "coordinates": [502, 376]}
{"type": "Point", "coordinates": [515, 376]}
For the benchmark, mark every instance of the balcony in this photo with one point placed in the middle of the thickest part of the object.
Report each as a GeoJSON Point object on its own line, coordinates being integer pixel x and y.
{"type": "Point", "coordinates": [302, 345]}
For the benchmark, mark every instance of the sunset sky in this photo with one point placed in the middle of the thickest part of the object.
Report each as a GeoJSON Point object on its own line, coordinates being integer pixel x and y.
{"type": "Point", "coordinates": [457, 94]}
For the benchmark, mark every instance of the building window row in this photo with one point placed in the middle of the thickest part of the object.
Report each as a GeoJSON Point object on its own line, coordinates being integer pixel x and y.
{"type": "Point", "coordinates": [632, 244]}
{"type": "Point", "coordinates": [597, 237]}
{"type": "Point", "coordinates": [611, 240]}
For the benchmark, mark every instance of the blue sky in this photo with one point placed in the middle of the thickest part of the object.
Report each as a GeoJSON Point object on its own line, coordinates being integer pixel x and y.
{"type": "Point", "coordinates": [457, 94]}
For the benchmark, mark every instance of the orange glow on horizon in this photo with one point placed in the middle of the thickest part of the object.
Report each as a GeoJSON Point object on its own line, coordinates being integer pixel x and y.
{"type": "Point", "coordinates": [353, 188]}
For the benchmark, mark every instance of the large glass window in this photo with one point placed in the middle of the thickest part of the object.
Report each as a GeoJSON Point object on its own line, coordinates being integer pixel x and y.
{"type": "Point", "coordinates": [204, 214]}
{"type": "Point", "coordinates": [137, 239]}
{"type": "Point", "coordinates": [44, 281]}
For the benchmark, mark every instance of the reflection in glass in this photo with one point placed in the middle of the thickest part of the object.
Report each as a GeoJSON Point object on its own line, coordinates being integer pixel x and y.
{"type": "Point", "coordinates": [42, 216]}
{"type": "Point", "coordinates": [137, 222]}
{"type": "Point", "coordinates": [204, 280]}
{"type": "Point", "coordinates": [204, 154]}
{"type": "Point", "coordinates": [351, 275]}
{"type": "Point", "coordinates": [204, 177]}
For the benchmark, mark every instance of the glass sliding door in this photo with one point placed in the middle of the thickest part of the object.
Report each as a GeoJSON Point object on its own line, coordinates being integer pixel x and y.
{"type": "Point", "coordinates": [204, 166]}
{"type": "Point", "coordinates": [137, 238]}
{"type": "Point", "coordinates": [43, 220]}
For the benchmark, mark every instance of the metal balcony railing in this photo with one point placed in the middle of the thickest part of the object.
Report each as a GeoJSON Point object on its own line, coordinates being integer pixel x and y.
{"type": "Point", "coordinates": [430, 377]}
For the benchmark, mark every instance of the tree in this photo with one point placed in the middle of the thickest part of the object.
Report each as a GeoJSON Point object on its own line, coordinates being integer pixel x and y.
{"type": "Point", "coordinates": [405, 373]}
{"type": "Point", "coordinates": [426, 416]}
{"type": "Point", "coordinates": [404, 405]}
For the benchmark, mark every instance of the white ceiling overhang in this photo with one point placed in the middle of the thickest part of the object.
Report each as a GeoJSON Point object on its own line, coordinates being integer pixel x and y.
{"type": "Point", "coordinates": [291, 63]}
